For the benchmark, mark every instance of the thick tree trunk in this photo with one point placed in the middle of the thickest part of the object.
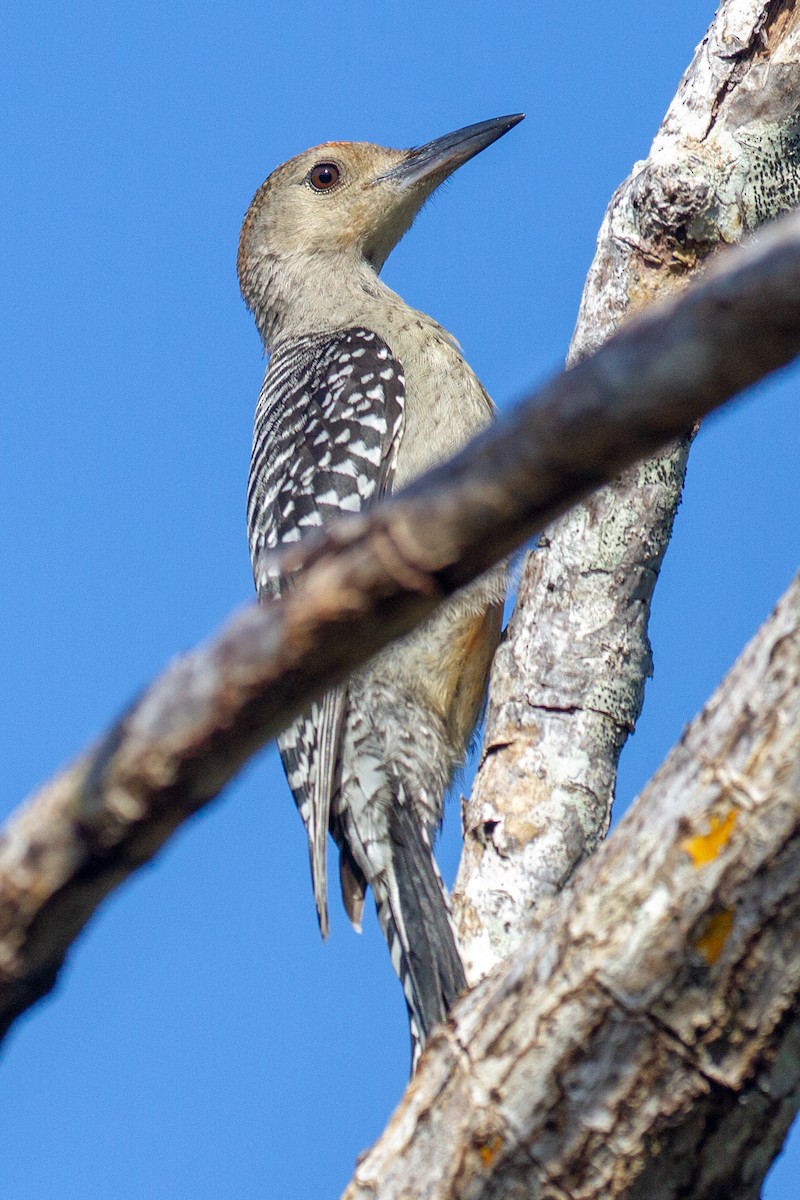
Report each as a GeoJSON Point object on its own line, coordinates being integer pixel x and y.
{"type": "Point", "coordinates": [568, 682]}
{"type": "Point", "coordinates": [644, 1040]}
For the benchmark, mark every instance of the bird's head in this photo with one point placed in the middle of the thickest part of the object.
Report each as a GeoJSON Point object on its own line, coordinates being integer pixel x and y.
{"type": "Point", "coordinates": [349, 200]}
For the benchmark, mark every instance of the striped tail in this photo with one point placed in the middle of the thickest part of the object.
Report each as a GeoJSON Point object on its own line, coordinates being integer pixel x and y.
{"type": "Point", "coordinates": [415, 919]}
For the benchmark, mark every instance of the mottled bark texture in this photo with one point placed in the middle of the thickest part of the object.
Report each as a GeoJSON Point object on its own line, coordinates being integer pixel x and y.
{"type": "Point", "coordinates": [644, 1041]}
{"type": "Point", "coordinates": [373, 577]}
{"type": "Point", "coordinates": [568, 682]}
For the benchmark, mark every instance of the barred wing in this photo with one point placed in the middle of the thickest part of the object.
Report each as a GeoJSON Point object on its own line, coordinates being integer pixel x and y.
{"type": "Point", "coordinates": [327, 429]}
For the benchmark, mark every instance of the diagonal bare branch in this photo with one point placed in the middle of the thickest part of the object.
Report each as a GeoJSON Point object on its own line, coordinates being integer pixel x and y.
{"type": "Point", "coordinates": [371, 578]}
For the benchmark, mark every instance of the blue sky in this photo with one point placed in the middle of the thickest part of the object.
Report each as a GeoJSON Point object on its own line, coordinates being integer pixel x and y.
{"type": "Point", "coordinates": [203, 1042]}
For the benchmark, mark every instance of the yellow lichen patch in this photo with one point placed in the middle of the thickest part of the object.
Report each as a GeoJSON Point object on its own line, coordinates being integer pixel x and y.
{"type": "Point", "coordinates": [705, 847]}
{"type": "Point", "coordinates": [490, 1150]}
{"type": "Point", "coordinates": [712, 941]}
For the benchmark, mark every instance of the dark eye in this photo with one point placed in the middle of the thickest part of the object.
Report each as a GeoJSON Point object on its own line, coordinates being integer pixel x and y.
{"type": "Point", "coordinates": [324, 176]}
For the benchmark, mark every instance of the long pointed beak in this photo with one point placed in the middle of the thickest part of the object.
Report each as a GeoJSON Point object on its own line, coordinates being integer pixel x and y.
{"type": "Point", "coordinates": [439, 158]}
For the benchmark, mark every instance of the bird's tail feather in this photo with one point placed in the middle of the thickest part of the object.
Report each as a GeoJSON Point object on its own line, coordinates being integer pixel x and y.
{"type": "Point", "coordinates": [415, 918]}
{"type": "Point", "coordinates": [309, 751]}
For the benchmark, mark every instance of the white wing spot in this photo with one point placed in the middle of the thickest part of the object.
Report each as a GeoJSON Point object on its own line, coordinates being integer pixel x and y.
{"type": "Point", "coordinates": [373, 421]}
{"type": "Point", "coordinates": [370, 453]}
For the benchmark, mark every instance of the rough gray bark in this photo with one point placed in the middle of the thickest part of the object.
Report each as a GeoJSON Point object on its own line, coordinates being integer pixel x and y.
{"type": "Point", "coordinates": [644, 1039]}
{"type": "Point", "coordinates": [568, 682]}
{"type": "Point", "coordinates": [369, 578]}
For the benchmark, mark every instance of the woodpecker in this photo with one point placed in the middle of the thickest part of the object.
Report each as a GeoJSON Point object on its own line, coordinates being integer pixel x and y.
{"type": "Point", "coordinates": [361, 394]}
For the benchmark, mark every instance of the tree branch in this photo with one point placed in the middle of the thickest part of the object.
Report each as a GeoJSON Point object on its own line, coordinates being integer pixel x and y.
{"type": "Point", "coordinates": [568, 682]}
{"type": "Point", "coordinates": [644, 1040]}
{"type": "Point", "coordinates": [370, 578]}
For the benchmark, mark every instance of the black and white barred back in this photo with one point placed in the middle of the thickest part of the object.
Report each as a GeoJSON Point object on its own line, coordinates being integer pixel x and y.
{"type": "Point", "coordinates": [328, 428]}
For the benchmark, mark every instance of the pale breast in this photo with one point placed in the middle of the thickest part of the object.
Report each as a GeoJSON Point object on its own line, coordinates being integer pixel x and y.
{"type": "Point", "coordinates": [446, 404]}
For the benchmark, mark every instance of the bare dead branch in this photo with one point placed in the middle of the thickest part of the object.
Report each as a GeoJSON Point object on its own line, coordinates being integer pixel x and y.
{"type": "Point", "coordinates": [644, 1040]}
{"type": "Point", "coordinates": [372, 578]}
{"type": "Point", "coordinates": [568, 682]}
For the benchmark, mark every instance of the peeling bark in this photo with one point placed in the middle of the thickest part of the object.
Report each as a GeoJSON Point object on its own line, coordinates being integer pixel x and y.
{"type": "Point", "coordinates": [644, 1039]}
{"type": "Point", "coordinates": [568, 682]}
